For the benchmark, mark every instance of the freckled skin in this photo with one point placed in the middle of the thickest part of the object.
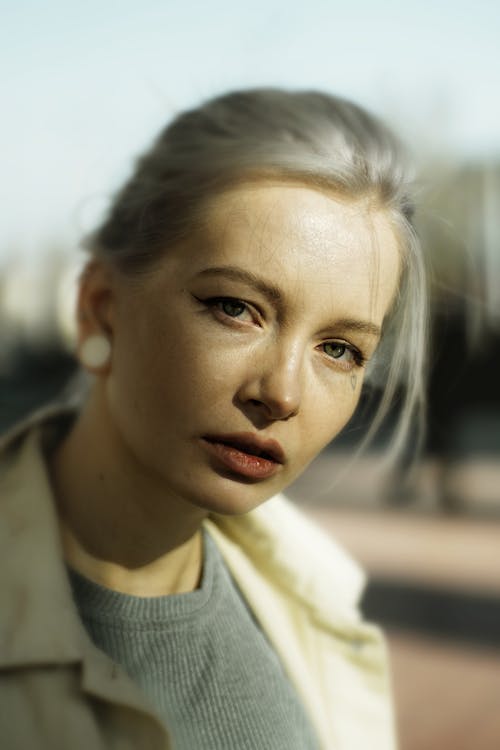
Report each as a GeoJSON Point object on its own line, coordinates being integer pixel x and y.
{"type": "Point", "coordinates": [181, 370]}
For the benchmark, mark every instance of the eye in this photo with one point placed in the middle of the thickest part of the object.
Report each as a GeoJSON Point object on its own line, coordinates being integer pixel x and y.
{"type": "Point", "coordinates": [343, 353]}
{"type": "Point", "coordinates": [334, 349]}
{"type": "Point", "coordinates": [234, 308]}
{"type": "Point", "coordinates": [230, 307]}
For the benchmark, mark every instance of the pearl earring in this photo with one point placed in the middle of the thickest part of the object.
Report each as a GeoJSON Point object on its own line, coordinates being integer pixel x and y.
{"type": "Point", "coordinates": [95, 352]}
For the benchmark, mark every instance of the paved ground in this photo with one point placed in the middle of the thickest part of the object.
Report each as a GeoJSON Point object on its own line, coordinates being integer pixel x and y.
{"type": "Point", "coordinates": [447, 696]}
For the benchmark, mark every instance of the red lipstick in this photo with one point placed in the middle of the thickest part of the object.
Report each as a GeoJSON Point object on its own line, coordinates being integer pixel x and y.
{"type": "Point", "coordinates": [246, 454]}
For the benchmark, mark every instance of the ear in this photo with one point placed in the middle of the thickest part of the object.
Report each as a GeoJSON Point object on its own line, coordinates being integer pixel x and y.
{"type": "Point", "coordinates": [95, 309]}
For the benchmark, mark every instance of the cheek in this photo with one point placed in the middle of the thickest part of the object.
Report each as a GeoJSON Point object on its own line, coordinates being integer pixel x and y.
{"type": "Point", "coordinates": [331, 410]}
{"type": "Point", "coordinates": [163, 365]}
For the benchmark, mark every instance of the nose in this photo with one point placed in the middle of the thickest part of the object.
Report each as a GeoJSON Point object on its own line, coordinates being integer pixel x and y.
{"type": "Point", "coordinates": [274, 384]}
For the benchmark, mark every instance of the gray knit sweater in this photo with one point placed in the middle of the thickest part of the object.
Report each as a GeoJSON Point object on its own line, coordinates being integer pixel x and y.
{"type": "Point", "coordinates": [203, 661]}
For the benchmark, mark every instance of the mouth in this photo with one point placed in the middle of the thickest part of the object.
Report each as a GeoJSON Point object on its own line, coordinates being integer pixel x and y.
{"type": "Point", "coordinates": [251, 444]}
{"type": "Point", "coordinates": [246, 454]}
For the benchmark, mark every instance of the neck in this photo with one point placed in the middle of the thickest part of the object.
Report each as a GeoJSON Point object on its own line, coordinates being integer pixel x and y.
{"type": "Point", "coordinates": [120, 526]}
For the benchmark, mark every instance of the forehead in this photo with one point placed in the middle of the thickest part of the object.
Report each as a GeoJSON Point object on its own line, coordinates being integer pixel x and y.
{"type": "Point", "coordinates": [311, 243]}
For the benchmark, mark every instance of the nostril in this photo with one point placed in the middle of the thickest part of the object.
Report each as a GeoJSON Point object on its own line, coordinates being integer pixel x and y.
{"type": "Point", "coordinates": [270, 396]}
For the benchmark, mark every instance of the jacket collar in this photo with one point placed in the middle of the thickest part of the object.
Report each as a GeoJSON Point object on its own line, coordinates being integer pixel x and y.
{"type": "Point", "coordinates": [306, 563]}
{"type": "Point", "coordinates": [38, 621]}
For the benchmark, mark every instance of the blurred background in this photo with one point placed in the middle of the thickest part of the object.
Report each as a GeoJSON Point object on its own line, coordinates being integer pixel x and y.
{"type": "Point", "coordinates": [87, 85]}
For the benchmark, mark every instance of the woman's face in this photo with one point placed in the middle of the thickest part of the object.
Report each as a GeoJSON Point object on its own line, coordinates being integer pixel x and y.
{"type": "Point", "coordinates": [255, 330]}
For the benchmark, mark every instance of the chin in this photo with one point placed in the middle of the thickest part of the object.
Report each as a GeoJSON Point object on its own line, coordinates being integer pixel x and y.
{"type": "Point", "coordinates": [235, 498]}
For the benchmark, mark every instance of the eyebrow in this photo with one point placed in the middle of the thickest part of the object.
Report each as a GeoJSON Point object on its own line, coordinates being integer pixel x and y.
{"type": "Point", "coordinates": [359, 326]}
{"type": "Point", "coordinates": [273, 293]}
{"type": "Point", "coordinates": [247, 277]}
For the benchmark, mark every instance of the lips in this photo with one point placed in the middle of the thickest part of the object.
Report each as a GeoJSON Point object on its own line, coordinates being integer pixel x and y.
{"type": "Point", "coordinates": [254, 445]}
{"type": "Point", "coordinates": [245, 454]}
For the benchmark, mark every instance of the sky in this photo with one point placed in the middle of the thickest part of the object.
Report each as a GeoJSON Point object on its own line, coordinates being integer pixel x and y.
{"type": "Point", "coordinates": [86, 86]}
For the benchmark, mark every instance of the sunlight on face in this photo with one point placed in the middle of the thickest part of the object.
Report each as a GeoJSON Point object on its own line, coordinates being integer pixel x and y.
{"type": "Point", "coordinates": [257, 329]}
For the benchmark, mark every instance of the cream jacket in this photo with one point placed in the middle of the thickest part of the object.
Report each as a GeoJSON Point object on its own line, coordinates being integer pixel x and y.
{"type": "Point", "coordinates": [58, 691]}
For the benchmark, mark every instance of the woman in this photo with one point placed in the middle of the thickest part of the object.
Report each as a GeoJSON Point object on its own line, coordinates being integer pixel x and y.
{"type": "Point", "coordinates": [248, 275]}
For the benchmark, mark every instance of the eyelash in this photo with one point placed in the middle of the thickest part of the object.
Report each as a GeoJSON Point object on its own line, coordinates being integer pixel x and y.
{"type": "Point", "coordinates": [218, 302]}
{"type": "Point", "coordinates": [357, 358]}
{"type": "Point", "coordinates": [214, 303]}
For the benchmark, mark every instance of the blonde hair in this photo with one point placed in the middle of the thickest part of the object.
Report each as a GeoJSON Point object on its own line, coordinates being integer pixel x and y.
{"type": "Point", "coordinates": [308, 136]}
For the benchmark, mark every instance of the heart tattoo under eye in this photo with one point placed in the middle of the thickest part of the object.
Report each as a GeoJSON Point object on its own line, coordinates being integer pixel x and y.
{"type": "Point", "coordinates": [354, 381]}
